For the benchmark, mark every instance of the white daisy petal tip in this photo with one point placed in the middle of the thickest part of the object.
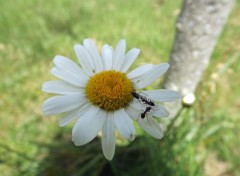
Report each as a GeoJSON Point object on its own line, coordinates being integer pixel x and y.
{"type": "Point", "coordinates": [160, 136]}
{"type": "Point", "coordinates": [163, 95]}
{"type": "Point", "coordinates": [150, 75]}
{"type": "Point", "coordinates": [76, 47]}
{"type": "Point", "coordinates": [87, 40]}
{"type": "Point", "coordinates": [151, 127]}
{"type": "Point", "coordinates": [53, 70]}
{"type": "Point", "coordinates": [108, 150]}
{"type": "Point", "coordinates": [43, 87]}
{"type": "Point", "coordinates": [136, 51]}
{"type": "Point", "coordinates": [108, 156]}
{"type": "Point", "coordinates": [108, 137]}
{"type": "Point", "coordinates": [123, 41]}
{"type": "Point", "coordinates": [75, 142]}
{"type": "Point", "coordinates": [61, 103]}
{"type": "Point", "coordinates": [164, 66]}
{"type": "Point", "coordinates": [160, 113]}
{"type": "Point", "coordinates": [167, 64]}
{"type": "Point", "coordinates": [132, 137]}
{"type": "Point", "coordinates": [178, 96]}
{"type": "Point", "coordinates": [124, 125]}
{"type": "Point", "coordinates": [57, 59]}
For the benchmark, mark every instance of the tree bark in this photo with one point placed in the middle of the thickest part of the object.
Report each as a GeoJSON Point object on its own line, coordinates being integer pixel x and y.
{"type": "Point", "coordinates": [197, 29]}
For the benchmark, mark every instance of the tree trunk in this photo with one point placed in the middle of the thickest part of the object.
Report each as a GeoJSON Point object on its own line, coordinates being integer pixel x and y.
{"type": "Point", "coordinates": [197, 29]}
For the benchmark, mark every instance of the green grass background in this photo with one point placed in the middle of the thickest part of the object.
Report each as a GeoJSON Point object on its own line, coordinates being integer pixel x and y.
{"type": "Point", "coordinates": [204, 139]}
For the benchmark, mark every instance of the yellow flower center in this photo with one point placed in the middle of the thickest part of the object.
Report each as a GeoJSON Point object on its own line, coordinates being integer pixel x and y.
{"type": "Point", "coordinates": [110, 90]}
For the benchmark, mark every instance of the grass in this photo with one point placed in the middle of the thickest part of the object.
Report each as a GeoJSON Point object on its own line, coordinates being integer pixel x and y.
{"type": "Point", "coordinates": [204, 139]}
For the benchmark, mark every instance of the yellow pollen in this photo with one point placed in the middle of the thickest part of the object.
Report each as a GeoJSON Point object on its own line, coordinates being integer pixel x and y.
{"type": "Point", "coordinates": [110, 90]}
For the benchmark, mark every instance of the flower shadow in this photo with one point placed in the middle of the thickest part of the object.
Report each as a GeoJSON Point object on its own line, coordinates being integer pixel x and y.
{"type": "Point", "coordinates": [63, 158]}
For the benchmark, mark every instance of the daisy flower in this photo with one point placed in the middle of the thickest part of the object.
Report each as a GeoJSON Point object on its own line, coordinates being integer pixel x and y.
{"type": "Point", "coordinates": [98, 94]}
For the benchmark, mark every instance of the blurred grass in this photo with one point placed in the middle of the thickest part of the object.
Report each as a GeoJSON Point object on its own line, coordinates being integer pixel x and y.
{"type": "Point", "coordinates": [205, 138]}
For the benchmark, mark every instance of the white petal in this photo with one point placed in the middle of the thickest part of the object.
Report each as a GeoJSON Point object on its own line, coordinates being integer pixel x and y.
{"type": "Point", "coordinates": [62, 103]}
{"type": "Point", "coordinates": [119, 53]}
{"type": "Point", "coordinates": [107, 56]}
{"type": "Point", "coordinates": [152, 75]}
{"type": "Point", "coordinates": [85, 59]}
{"type": "Point", "coordinates": [136, 73]}
{"type": "Point", "coordinates": [72, 115]}
{"type": "Point", "coordinates": [159, 111]}
{"type": "Point", "coordinates": [137, 104]}
{"type": "Point", "coordinates": [124, 124]}
{"type": "Point", "coordinates": [61, 87]}
{"type": "Point", "coordinates": [133, 112]}
{"type": "Point", "coordinates": [163, 95]}
{"type": "Point", "coordinates": [151, 126]}
{"type": "Point", "coordinates": [68, 77]}
{"type": "Point", "coordinates": [129, 59]}
{"type": "Point", "coordinates": [93, 52]}
{"type": "Point", "coordinates": [68, 65]}
{"type": "Point", "coordinates": [88, 126]}
{"type": "Point", "coordinates": [108, 137]}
